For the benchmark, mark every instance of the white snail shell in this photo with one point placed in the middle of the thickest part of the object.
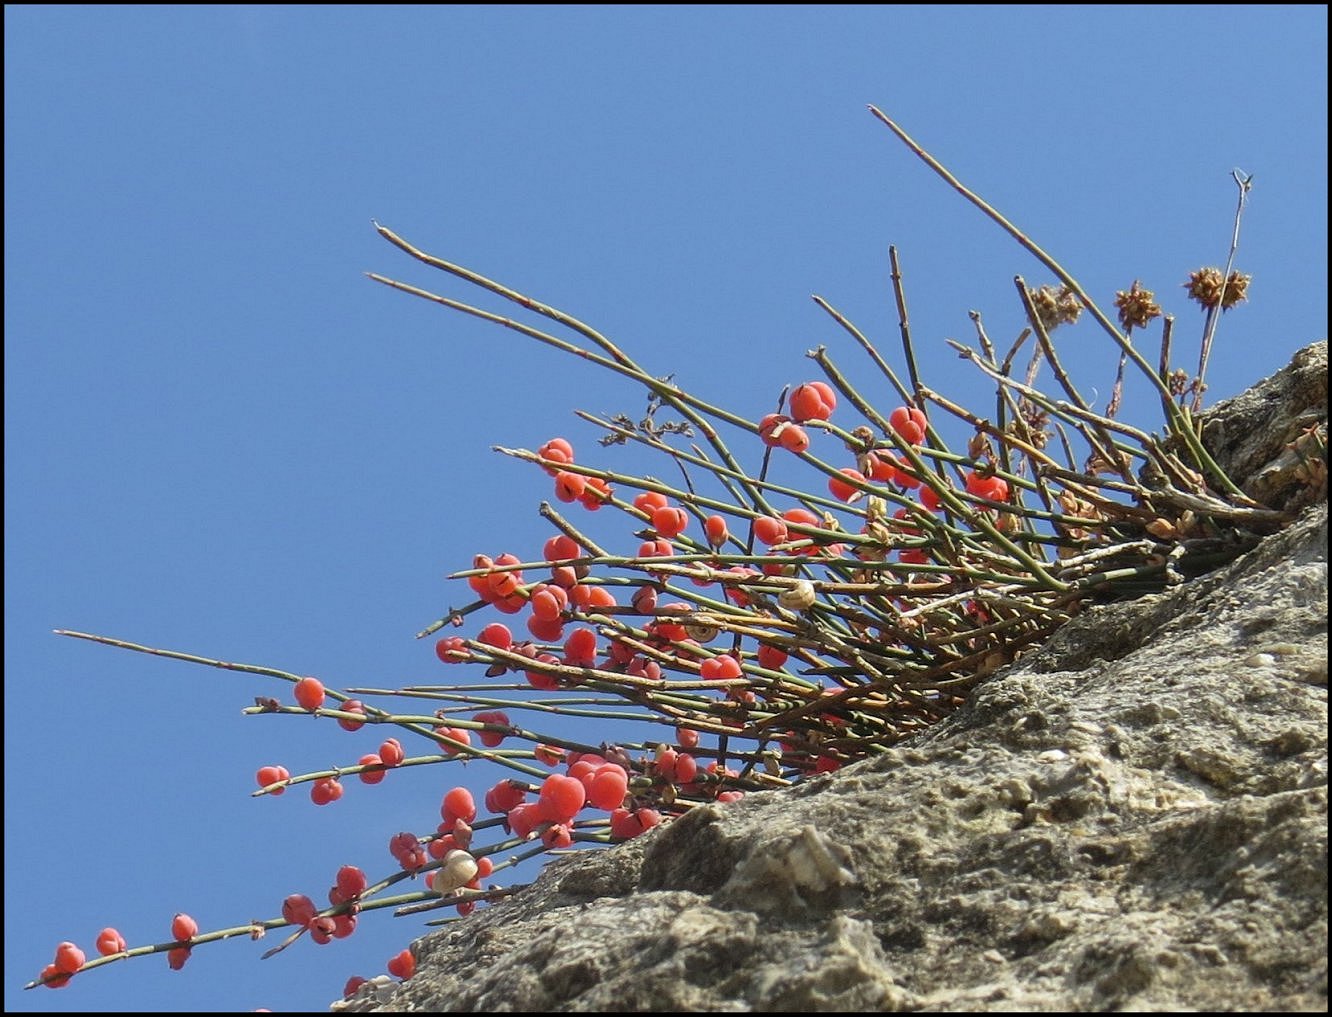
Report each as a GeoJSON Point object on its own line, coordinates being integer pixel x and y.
{"type": "Point", "coordinates": [798, 597]}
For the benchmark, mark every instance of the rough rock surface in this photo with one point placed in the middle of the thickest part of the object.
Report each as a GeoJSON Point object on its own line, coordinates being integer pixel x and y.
{"type": "Point", "coordinates": [1133, 816]}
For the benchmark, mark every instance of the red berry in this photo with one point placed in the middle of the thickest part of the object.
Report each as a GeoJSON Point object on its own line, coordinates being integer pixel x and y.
{"type": "Point", "coordinates": [561, 547]}
{"type": "Point", "coordinates": [391, 752]}
{"type": "Point", "coordinates": [626, 824]}
{"type": "Point", "coordinates": [558, 451]}
{"type": "Point", "coordinates": [458, 804]}
{"type": "Point", "coordinates": [721, 666]}
{"type": "Point", "coordinates": [596, 492]}
{"type": "Point", "coordinates": [909, 423]}
{"type": "Point", "coordinates": [491, 739]}
{"type": "Point", "coordinates": [504, 797]}
{"type": "Point", "coordinates": [771, 657]}
{"type": "Point", "coordinates": [882, 467]}
{"type": "Point", "coordinates": [322, 929]}
{"type": "Point", "coordinates": [53, 978]}
{"type": "Point", "coordinates": [561, 798]}
{"type": "Point", "coordinates": [769, 530]}
{"type": "Point", "coordinates": [795, 438]}
{"type": "Point", "coordinates": [325, 790]}
{"type": "Point", "coordinates": [298, 909]}
{"type": "Point", "coordinates": [929, 498]}
{"type": "Point", "coordinates": [841, 489]}
{"type": "Point", "coordinates": [177, 957]}
{"type": "Point", "coordinates": [68, 958]}
{"type": "Point", "coordinates": [670, 521]}
{"type": "Point", "coordinates": [183, 927]}
{"type": "Point", "coordinates": [557, 836]}
{"type": "Point", "coordinates": [714, 527]}
{"type": "Point", "coordinates": [569, 487]}
{"type": "Point", "coordinates": [447, 648]}
{"type": "Point", "coordinates": [458, 734]}
{"type": "Point", "coordinates": [687, 737]}
{"type": "Point", "coordinates": [351, 882]}
{"type": "Point", "coordinates": [371, 776]}
{"type": "Point", "coordinates": [402, 965]}
{"type": "Point", "coordinates": [496, 635]}
{"type": "Point", "coordinates": [352, 706]}
{"type": "Point", "coordinates": [310, 693]}
{"type": "Point", "coordinates": [580, 649]}
{"type": "Point", "coordinates": [353, 983]}
{"type": "Point", "coordinates": [110, 941]}
{"type": "Point", "coordinates": [268, 775]}
{"type": "Point", "coordinates": [649, 501]}
{"type": "Point", "coordinates": [608, 786]}
{"type": "Point", "coordinates": [814, 400]}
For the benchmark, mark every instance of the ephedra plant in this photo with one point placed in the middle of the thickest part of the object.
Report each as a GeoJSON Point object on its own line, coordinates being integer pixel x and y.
{"type": "Point", "coordinates": [775, 628]}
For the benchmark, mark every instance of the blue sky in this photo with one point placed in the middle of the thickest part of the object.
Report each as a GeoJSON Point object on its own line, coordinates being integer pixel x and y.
{"type": "Point", "coordinates": [221, 438]}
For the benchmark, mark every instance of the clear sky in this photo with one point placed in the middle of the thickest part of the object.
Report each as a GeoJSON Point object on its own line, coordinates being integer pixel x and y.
{"type": "Point", "coordinates": [220, 437]}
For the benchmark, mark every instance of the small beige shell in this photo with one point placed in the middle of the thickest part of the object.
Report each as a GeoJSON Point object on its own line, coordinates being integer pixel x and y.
{"type": "Point", "coordinates": [798, 597]}
{"type": "Point", "coordinates": [459, 869]}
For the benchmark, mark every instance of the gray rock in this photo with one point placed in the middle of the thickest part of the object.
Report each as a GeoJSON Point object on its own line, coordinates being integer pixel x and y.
{"type": "Point", "coordinates": [1133, 816]}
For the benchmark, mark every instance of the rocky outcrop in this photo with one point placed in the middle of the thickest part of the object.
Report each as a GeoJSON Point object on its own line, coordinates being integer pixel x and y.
{"type": "Point", "coordinates": [1133, 816]}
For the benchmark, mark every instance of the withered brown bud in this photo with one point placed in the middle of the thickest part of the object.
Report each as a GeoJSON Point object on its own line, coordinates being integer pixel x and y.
{"type": "Point", "coordinates": [1055, 307]}
{"type": "Point", "coordinates": [1179, 381]}
{"type": "Point", "coordinates": [1137, 306]}
{"type": "Point", "coordinates": [1210, 288]}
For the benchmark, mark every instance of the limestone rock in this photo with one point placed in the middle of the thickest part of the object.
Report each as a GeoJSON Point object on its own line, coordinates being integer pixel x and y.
{"type": "Point", "coordinates": [1133, 816]}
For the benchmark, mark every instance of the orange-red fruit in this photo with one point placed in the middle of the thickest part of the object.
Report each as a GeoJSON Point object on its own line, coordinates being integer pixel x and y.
{"type": "Point", "coordinates": [841, 489]}
{"type": "Point", "coordinates": [608, 786]}
{"type": "Point", "coordinates": [497, 635]}
{"type": "Point", "coordinates": [795, 438]}
{"type": "Point", "coordinates": [491, 739]}
{"type": "Point", "coordinates": [458, 734]}
{"type": "Point", "coordinates": [68, 958]}
{"type": "Point", "coordinates": [569, 487]}
{"type": "Point", "coordinates": [719, 667]}
{"type": "Point", "coordinates": [446, 647]}
{"type": "Point", "coordinates": [351, 882]}
{"type": "Point", "coordinates": [580, 649]}
{"type": "Point", "coordinates": [458, 804]}
{"type": "Point", "coordinates": [353, 983]}
{"type": "Point", "coordinates": [110, 941]}
{"type": "Point", "coordinates": [183, 927]}
{"type": "Point", "coordinates": [649, 501]}
{"type": "Point", "coordinates": [909, 423]}
{"type": "Point", "coordinates": [177, 957]}
{"type": "Point", "coordinates": [391, 752]}
{"type": "Point", "coordinates": [557, 836]}
{"type": "Point", "coordinates": [769, 530]}
{"type": "Point", "coordinates": [714, 527]}
{"type": "Point", "coordinates": [929, 498]}
{"type": "Point", "coordinates": [298, 909]}
{"type": "Point", "coordinates": [352, 706]}
{"type": "Point", "coordinates": [504, 797]}
{"type": "Point", "coordinates": [557, 450]}
{"type": "Point", "coordinates": [561, 798]}
{"type": "Point", "coordinates": [560, 547]}
{"type": "Point", "coordinates": [994, 488]}
{"type": "Point", "coordinates": [371, 776]}
{"type": "Point", "coordinates": [670, 520]}
{"type": "Point", "coordinates": [325, 790]}
{"type": "Point", "coordinates": [771, 657]}
{"type": "Point", "coordinates": [626, 824]}
{"type": "Point", "coordinates": [883, 467]}
{"type": "Point", "coordinates": [310, 693]}
{"type": "Point", "coordinates": [52, 977]}
{"type": "Point", "coordinates": [595, 494]}
{"type": "Point", "coordinates": [267, 775]}
{"type": "Point", "coordinates": [814, 400]}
